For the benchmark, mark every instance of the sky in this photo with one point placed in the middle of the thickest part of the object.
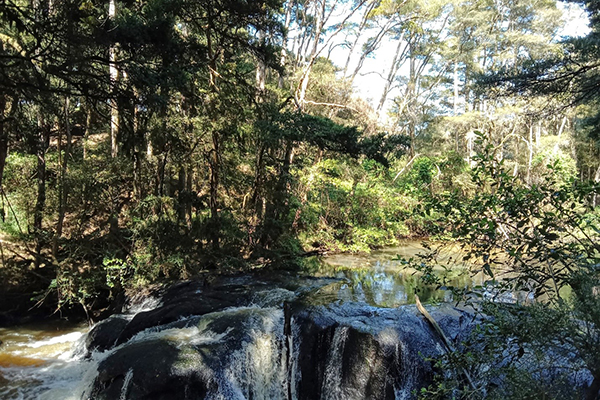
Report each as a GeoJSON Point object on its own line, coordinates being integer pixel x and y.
{"type": "Point", "coordinates": [371, 80]}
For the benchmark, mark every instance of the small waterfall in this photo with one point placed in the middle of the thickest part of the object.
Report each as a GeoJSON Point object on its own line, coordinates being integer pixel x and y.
{"type": "Point", "coordinates": [333, 389]}
{"type": "Point", "coordinates": [126, 383]}
{"type": "Point", "coordinates": [257, 370]}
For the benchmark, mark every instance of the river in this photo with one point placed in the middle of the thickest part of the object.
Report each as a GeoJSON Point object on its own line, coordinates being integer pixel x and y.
{"type": "Point", "coordinates": [47, 361]}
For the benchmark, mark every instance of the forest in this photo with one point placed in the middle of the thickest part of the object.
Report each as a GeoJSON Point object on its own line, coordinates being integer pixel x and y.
{"type": "Point", "coordinates": [151, 141]}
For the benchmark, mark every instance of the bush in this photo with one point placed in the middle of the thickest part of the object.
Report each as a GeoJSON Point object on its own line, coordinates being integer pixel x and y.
{"type": "Point", "coordinates": [539, 248]}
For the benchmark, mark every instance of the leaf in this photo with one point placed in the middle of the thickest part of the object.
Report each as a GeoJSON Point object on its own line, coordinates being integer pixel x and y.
{"type": "Point", "coordinates": [488, 270]}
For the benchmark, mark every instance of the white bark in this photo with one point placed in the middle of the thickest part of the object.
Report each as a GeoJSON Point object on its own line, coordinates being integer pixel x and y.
{"type": "Point", "coordinates": [114, 77]}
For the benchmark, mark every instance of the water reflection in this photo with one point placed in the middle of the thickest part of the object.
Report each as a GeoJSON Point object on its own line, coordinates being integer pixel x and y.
{"type": "Point", "coordinates": [380, 280]}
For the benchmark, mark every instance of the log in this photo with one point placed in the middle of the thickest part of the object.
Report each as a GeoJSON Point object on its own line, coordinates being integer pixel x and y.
{"type": "Point", "coordinates": [442, 335]}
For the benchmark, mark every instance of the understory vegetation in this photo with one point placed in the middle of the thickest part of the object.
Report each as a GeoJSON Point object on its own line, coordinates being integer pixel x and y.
{"type": "Point", "coordinates": [143, 142]}
{"type": "Point", "coordinates": [538, 249]}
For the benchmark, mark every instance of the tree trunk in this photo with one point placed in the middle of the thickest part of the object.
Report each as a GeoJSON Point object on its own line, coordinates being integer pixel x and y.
{"type": "Point", "coordinates": [40, 204]}
{"type": "Point", "coordinates": [361, 27]}
{"type": "Point", "coordinates": [88, 127]}
{"type": "Point", "coordinates": [411, 92]}
{"type": "Point", "coordinates": [259, 180]}
{"type": "Point", "coordinates": [3, 137]}
{"type": "Point", "coordinates": [596, 180]}
{"type": "Point", "coordinates": [214, 193]}
{"type": "Point", "coordinates": [284, 42]}
{"type": "Point", "coordinates": [391, 75]}
{"type": "Point", "coordinates": [370, 47]}
{"type": "Point", "coordinates": [530, 157]}
{"type": "Point", "coordinates": [188, 205]}
{"type": "Point", "coordinates": [114, 77]}
{"type": "Point", "coordinates": [455, 100]}
{"type": "Point", "coordinates": [64, 189]}
{"type": "Point", "coordinates": [261, 71]}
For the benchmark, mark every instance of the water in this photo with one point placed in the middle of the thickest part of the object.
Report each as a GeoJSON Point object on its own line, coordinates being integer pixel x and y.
{"type": "Point", "coordinates": [380, 279]}
{"type": "Point", "coordinates": [38, 359]}
{"type": "Point", "coordinates": [256, 358]}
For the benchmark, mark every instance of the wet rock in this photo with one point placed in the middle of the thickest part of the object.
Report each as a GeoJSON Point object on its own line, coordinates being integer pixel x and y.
{"type": "Point", "coordinates": [355, 352]}
{"type": "Point", "coordinates": [154, 369]}
{"type": "Point", "coordinates": [219, 341]}
{"type": "Point", "coordinates": [105, 334]}
{"type": "Point", "coordinates": [179, 301]}
{"type": "Point", "coordinates": [233, 354]}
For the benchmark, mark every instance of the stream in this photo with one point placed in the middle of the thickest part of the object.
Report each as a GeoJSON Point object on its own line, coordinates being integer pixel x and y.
{"type": "Point", "coordinates": [342, 329]}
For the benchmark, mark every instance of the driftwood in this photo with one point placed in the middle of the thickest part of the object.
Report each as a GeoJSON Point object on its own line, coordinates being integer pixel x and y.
{"type": "Point", "coordinates": [445, 340]}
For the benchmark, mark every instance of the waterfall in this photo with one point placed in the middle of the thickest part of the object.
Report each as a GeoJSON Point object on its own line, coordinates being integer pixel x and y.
{"type": "Point", "coordinates": [268, 343]}
{"type": "Point", "coordinates": [126, 382]}
{"type": "Point", "coordinates": [333, 388]}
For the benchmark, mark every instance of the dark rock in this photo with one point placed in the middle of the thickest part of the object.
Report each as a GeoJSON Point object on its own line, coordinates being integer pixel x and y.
{"type": "Point", "coordinates": [179, 301]}
{"type": "Point", "coordinates": [156, 370]}
{"type": "Point", "coordinates": [190, 303]}
{"type": "Point", "coordinates": [105, 334]}
{"type": "Point", "coordinates": [373, 353]}
{"type": "Point", "coordinates": [205, 342]}
{"type": "Point", "coordinates": [198, 363]}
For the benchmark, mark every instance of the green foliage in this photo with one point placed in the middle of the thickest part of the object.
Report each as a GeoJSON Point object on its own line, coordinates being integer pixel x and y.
{"type": "Point", "coordinates": [351, 206]}
{"type": "Point", "coordinates": [538, 249]}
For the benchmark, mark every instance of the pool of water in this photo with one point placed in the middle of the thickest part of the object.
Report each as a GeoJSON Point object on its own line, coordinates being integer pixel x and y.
{"type": "Point", "coordinates": [382, 279]}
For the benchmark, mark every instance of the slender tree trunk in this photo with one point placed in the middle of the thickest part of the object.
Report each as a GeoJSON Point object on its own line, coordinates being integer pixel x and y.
{"type": "Point", "coordinates": [284, 43]}
{"type": "Point", "coordinates": [181, 194]}
{"type": "Point", "coordinates": [215, 156]}
{"type": "Point", "coordinates": [3, 137]}
{"type": "Point", "coordinates": [467, 92]}
{"type": "Point", "coordinates": [596, 180]}
{"type": "Point", "coordinates": [411, 89]}
{"type": "Point", "coordinates": [214, 192]}
{"type": "Point", "coordinates": [3, 131]}
{"type": "Point", "coordinates": [261, 71]}
{"type": "Point", "coordinates": [114, 77]}
{"type": "Point", "coordinates": [160, 175]}
{"type": "Point", "coordinates": [320, 21]}
{"type": "Point", "coordinates": [88, 127]}
{"type": "Point", "coordinates": [40, 204]}
{"type": "Point", "coordinates": [530, 157]}
{"type": "Point", "coordinates": [391, 75]}
{"type": "Point", "coordinates": [259, 178]}
{"type": "Point", "coordinates": [189, 187]}
{"type": "Point", "coordinates": [64, 188]}
{"type": "Point", "coordinates": [455, 100]}
{"type": "Point", "coordinates": [361, 27]}
{"type": "Point", "coordinates": [369, 49]}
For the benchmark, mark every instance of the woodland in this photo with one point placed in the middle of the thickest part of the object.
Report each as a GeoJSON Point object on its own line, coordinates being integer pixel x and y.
{"type": "Point", "coordinates": [151, 141]}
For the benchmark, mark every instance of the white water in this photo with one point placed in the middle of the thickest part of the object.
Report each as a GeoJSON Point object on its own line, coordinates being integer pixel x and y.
{"type": "Point", "coordinates": [34, 363]}
{"type": "Point", "coordinates": [48, 367]}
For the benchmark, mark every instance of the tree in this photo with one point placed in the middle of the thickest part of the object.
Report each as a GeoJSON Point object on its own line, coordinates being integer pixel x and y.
{"type": "Point", "coordinates": [537, 248]}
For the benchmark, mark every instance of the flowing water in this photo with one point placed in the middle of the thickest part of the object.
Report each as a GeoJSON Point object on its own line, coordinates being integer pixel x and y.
{"type": "Point", "coordinates": [48, 361]}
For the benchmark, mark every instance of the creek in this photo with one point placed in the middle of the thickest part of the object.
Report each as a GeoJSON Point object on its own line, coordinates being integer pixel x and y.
{"type": "Point", "coordinates": [345, 328]}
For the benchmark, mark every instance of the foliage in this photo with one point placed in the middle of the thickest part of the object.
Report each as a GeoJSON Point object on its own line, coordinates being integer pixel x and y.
{"type": "Point", "coordinates": [538, 248]}
{"type": "Point", "coordinates": [176, 136]}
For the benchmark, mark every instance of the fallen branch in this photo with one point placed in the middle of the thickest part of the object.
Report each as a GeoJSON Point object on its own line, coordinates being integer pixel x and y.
{"type": "Point", "coordinates": [406, 166]}
{"type": "Point", "coordinates": [445, 340]}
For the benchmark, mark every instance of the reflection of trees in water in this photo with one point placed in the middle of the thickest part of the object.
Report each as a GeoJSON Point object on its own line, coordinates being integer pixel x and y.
{"type": "Point", "coordinates": [381, 280]}
{"type": "Point", "coordinates": [392, 288]}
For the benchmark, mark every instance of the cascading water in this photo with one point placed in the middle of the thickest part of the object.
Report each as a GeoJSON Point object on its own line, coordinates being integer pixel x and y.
{"type": "Point", "coordinates": [282, 339]}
